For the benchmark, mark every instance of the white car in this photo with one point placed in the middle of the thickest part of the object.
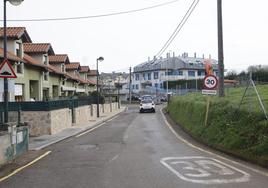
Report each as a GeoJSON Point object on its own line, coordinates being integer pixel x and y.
{"type": "Point", "coordinates": [147, 106]}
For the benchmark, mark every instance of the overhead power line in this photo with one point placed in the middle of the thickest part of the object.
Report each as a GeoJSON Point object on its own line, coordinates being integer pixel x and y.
{"type": "Point", "coordinates": [178, 28]}
{"type": "Point", "coordinates": [93, 16]}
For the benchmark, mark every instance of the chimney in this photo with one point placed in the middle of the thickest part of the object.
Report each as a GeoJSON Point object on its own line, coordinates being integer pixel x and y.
{"type": "Point", "coordinates": [148, 59]}
{"type": "Point", "coordinates": [203, 56]}
{"type": "Point", "coordinates": [195, 55]}
{"type": "Point", "coordinates": [209, 56]}
{"type": "Point", "coordinates": [168, 55]}
{"type": "Point", "coordinates": [173, 54]}
{"type": "Point", "coordinates": [154, 58]}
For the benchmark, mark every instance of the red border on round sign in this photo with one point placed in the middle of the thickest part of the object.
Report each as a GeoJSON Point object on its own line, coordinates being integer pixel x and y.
{"type": "Point", "coordinates": [212, 88]}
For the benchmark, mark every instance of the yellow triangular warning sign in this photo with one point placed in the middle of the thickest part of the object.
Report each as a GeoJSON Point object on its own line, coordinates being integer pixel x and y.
{"type": "Point", "coordinates": [6, 70]}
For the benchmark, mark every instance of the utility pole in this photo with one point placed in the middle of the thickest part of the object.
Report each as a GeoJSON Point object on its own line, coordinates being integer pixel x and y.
{"type": "Point", "coordinates": [129, 85]}
{"type": "Point", "coordinates": [220, 50]}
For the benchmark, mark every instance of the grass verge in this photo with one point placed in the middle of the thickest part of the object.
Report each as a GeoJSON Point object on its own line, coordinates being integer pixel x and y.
{"type": "Point", "coordinates": [241, 132]}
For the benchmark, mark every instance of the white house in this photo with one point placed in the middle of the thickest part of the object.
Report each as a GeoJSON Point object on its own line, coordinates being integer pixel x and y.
{"type": "Point", "coordinates": [155, 72]}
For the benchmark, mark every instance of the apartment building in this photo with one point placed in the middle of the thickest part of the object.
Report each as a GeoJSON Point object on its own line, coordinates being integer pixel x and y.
{"type": "Point", "coordinates": [154, 73]}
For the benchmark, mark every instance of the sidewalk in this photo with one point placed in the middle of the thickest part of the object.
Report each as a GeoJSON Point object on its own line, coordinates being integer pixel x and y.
{"type": "Point", "coordinates": [40, 142]}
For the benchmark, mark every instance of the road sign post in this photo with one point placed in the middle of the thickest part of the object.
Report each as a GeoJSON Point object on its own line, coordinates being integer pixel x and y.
{"type": "Point", "coordinates": [210, 84]}
{"type": "Point", "coordinates": [6, 71]}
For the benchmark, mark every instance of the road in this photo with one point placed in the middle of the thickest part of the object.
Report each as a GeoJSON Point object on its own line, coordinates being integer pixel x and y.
{"type": "Point", "coordinates": [136, 151]}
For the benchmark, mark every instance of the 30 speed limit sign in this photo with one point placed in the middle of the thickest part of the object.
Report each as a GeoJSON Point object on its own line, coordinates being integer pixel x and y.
{"type": "Point", "coordinates": [210, 82]}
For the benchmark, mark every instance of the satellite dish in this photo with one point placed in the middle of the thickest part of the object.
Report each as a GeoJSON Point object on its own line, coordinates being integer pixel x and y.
{"type": "Point", "coordinates": [15, 2]}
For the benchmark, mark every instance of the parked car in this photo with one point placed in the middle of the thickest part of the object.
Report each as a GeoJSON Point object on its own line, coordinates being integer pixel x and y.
{"type": "Point", "coordinates": [147, 105]}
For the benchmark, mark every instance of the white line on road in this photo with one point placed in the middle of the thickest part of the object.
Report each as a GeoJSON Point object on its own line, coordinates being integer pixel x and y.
{"type": "Point", "coordinates": [208, 152]}
{"type": "Point", "coordinates": [114, 158]}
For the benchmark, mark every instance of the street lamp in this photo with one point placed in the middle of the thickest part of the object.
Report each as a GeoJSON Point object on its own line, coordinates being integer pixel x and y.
{"type": "Point", "coordinates": [98, 98]}
{"type": "Point", "coordinates": [118, 88]}
{"type": "Point", "coordinates": [110, 95]}
{"type": "Point", "coordinates": [13, 2]}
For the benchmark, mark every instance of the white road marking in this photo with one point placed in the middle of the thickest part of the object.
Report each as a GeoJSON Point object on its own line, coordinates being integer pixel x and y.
{"type": "Point", "coordinates": [204, 170]}
{"type": "Point", "coordinates": [114, 158]}
{"type": "Point", "coordinates": [208, 152]}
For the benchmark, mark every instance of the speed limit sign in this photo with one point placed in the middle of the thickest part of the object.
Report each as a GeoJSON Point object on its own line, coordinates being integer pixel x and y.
{"type": "Point", "coordinates": [210, 82]}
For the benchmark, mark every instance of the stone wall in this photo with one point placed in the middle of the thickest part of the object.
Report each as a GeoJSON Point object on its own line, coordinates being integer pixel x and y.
{"type": "Point", "coordinates": [39, 122]}
{"type": "Point", "coordinates": [51, 122]}
{"type": "Point", "coordinates": [82, 115]}
{"type": "Point", "coordinates": [60, 119]}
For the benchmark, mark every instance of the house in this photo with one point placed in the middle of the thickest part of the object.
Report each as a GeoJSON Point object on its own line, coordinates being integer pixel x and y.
{"type": "Point", "coordinates": [153, 73]}
{"type": "Point", "coordinates": [41, 74]}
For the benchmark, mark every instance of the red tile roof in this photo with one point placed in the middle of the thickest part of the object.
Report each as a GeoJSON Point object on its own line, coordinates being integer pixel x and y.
{"type": "Point", "coordinates": [58, 58]}
{"type": "Point", "coordinates": [72, 66]}
{"type": "Point", "coordinates": [84, 69]}
{"type": "Point", "coordinates": [38, 48]}
{"type": "Point", "coordinates": [16, 33]}
{"type": "Point", "coordinates": [10, 56]}
{"type": "Point", "coordinates": [92, 73]}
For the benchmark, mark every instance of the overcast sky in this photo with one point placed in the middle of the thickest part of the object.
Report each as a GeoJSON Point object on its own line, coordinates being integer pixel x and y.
{"type": "Point", "coordinates": [127, 40]}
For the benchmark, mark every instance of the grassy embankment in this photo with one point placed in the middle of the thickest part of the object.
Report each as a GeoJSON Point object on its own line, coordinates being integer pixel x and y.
{"type": "Point", "coordinates": [242, 132]}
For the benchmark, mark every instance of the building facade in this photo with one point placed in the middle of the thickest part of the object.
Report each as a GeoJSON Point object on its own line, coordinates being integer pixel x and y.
{"type": "Point", "coordinates": [41, 74]}
{"type": "Point", "coordinates": [154, 73]}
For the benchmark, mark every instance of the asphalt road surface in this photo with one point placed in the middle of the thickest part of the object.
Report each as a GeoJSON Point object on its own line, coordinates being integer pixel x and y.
{"type": "Point", "coordinates": [136, 150]}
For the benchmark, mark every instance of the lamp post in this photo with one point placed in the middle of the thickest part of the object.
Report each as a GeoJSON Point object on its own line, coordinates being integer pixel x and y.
{"type": "Point", "coordinates": [118, 88]}
{"type": "Point", "coordinates": [98, 98]}
{"type": "Point", "coordinates": [110, 95]}
{"type": "Point", "coordinates": [15, 3]}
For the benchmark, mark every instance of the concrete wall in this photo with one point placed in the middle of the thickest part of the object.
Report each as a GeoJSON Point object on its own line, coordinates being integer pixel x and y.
{"type": "Point", "coordinates": [6, 151]}
{"type": "Point", "coordinates": [13, 143]}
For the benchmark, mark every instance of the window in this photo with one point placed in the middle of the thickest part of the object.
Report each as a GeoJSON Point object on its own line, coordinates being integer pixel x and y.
{"type": "Point", "coordinates": [144, 76]}
{"type": "Point", "coordinates": [161, 85]}
{"type": "Point", "coordinates": [45, 58]}
{"type": "Point", "coordinates": [46, 76]}
{"type": "Point", "coordinates": [137, 76]}
{"type": "Point", "coordinates": [156, 85]}
{"type": "Point", "coordinates": [201, 73]}
{"type": "Point", "coordinates": [180, 72]}
{"type": "Point", "coordinates": [133, 86]}
{"type": "Point", "coordinates": [19, 49]}
{"type": "Point", "coordinates": [149, 76]}
{"type": "Point", "coordinates": [191, 73]}
{"type": "Point", "coordinates": [62, 68]}
{"type": "Point", "coordinates": [19, 67]}
{"type": "Point", "coordinates": [137, 86]}
{"type": "Point", "coordinates": [155, 75]}
{"type": "Point", "coordinates": [169, 73]}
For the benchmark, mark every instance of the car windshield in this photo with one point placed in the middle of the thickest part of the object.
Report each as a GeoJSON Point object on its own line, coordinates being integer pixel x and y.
{"type": "Point", "coordinates": [147, 101]}
{"type": "Point", "coordinates": [147, 97]}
